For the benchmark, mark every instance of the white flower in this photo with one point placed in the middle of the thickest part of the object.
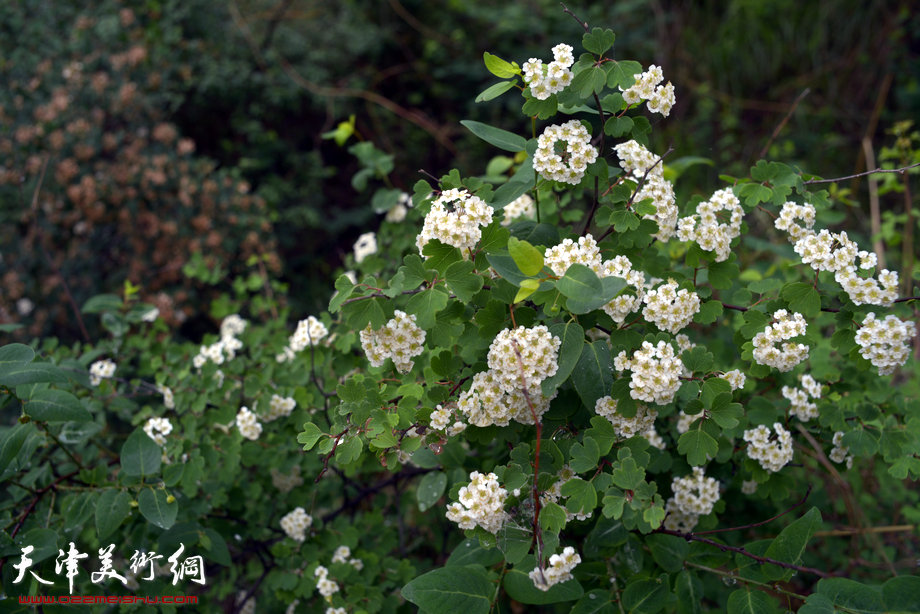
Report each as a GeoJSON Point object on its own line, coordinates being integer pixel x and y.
{"type": "Point", "coordinates": [660, 97]}
{"type": "Point", "coordinates": [481, 503]}
{"type": "Point", "coordinates": [399, 339]}
{"type": "Point", "coordinates": [157, 429]}
{"type": "Point", "coordinates": [365, 246]}
{"type": "Point", "coordinates": [461, 227]}
{"type": "Point", "coordinates": [296, 523]}
{"type": "Point", "coordinates": [643, 421]}
{"type": "Point", "coordinates": [784, 327]}
{"type": "Point", "coordinates": [248, 424]}
{"type": "Point", "coordinates": [670, 309]}
{"type": "Point", "coordinates": [656, 371]}
{"type": "Point", "coordinates": [571, 164]}
{"type": "Point", "coordinates": [544, 82]}
{"type": "Point", "coordinates": [100, 370]}
{"type": "Point", "coordinates": [559, 569]}
{"type": "Point", "coordinates": [521, 207]}
{"type": "Point", "coordinates": [772, 451]}
{"type": "Point", "coordinates": [885, 343]}
{"type": "Point", "coordinates": [710, 228]}
{"type": "Point", "coordinates": [522, 358]}
{"type": "Point", "coordinates": [695, 493]}
{"type": "Point", "coordinates": [641, 164]}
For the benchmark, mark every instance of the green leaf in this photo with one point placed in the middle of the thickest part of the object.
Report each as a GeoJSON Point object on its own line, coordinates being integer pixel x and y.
{"type": "Point", "coordinates": [627, 474]}
{"type": "Point", "coordinates": [527, 257]}
{"type": "Point", "coordinates": [504, 265]}
{"type": "Point", "coordinates": [496, 136]}
{"type": "Point", "coordinates": [140, 455]}
{"type": "Point", "coordinates": [101, 303]}
{"type": "Point", "coordinates": [15, 353]}
{"type": "Point", "coordinates": [19, 373]}
{"type": "Point", "coordinates": [572, 337]}
{"type": "Point", "coordinates": [470, 552]}
{"type": "Point", "coordinates": [669, 551]}
{"type": "Point", "coordinates": [430, 489]}
{"type": "Point", "coordinates": [713, 387]}
{"type": "Point", "coordinates": [857, 598]}
{"type": "Point", "coordinates": [902, 594]}
{"type": "Point", "coordinates": [698, 359]}
{"type": "Point", "coordinates": [495, 90]}
{"type": "Point", "coordinates": [584, 456]}
{"type": "Point", "coordinates": [585, 291]}
{"type": "Point", "coordinates": [754, 194]}
{"type": "Point", "coordinates": [426, 305]}
{"type": "Point", "coordinates": [309, 436]}
{"type": "Point", "coordinates": [618, 126]}
{"type": "Point", "coordinates": [646, 596]}
{"type": "Point", "coordinates": [689, 592]}
{"type": "Point", "coordinates": [528, 287]}
{"type": "Point", "coordinates": [624, 220]}
{"type": "Point", "coordinates": [598, 41]}
{"type": "Point", "coordinates": [451, 589]}
{"type": "Point", "coordinates": [349, 451]}
{"type": "Point", "coordinates": [790, 544]}
{"type": "Point", "coordinates": [724, 413]}
{"type": "Point", "coordinates": [154, 507]}
{"type": "Point", "coordinates": [582, 497]}
{"type": "Point", "coordinates": [698, 446]}
{"type": "Point", "coordinates": [344, 288]}
{"type": "Point", "coordinates": [360, 313]}
{"type": "Point", "coordinates": [589, 81]}
{"type": "Point", "coordinates": [709, 312]}
{"type": "Point", "coordinates": [594, 602]}
{"type": "Point", "coordinates": [623, 74]}
{"type": "Point", "coordinates": [723, 274]}
{"type": "Point", "coordinates": [462, 281]}
{"type": "Point", "coordinates": [544, 109]}
{"type": "Point", "coordinates": [519, 586]}
{"type": "Point", "coordinates": [499, 67]}
{"type": "Point", "coordinates": [593, 374]}
{"type": "Point", "coordinates": [49, 405]}
{"type": "Point", "coordinates": [748, 601]}
{"type": "Point", "coordinates": [552, 517]}
{"type": "Point", "coordinates": [112, 508]}
{"type": "Point", "coordinates": [802, 298]}
{"type": "Point", "coordinates": [861, 442]}
{"type": "Point", "coordinates": [13, 440]}
{"type": "Point", "coordinates": [439, 256]}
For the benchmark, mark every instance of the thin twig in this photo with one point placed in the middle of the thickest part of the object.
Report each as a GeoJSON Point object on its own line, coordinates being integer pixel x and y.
{"type": "Point", "coordinates": [900, 171]}
{"type": "Point", "coordinates": [583, 24]}
{"type": "Point", "coordinates": [762, 522]}
{"type": "Point", "coordinates": [782, 124]}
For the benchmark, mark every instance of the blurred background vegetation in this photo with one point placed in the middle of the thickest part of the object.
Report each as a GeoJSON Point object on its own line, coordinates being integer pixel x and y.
{"type": "Point", "coordinates": [141, 136]}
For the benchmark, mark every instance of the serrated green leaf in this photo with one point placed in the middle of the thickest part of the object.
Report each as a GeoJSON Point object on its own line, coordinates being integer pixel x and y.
{"type": "Point", "coordinates": [713, 387]}
{"type": "Point", "coordinates": [597, 41]}
{"type": "Point", "coordinates": [552, 517]}
{"type": "Point", "coordinates": [310, 435]}
{"type": "Point", "coordinates": [623, 74]}
{"type": "Point", "coordinates": [627, 474]}
{"type": "Point", "coordinates": [617, 126]}
{"type": "Point", "coordinates": [519, 586]}
{"type": "Point", "coordinates": [698, 359]}
{"type": "Point", "coordinates": [543, 109]}
{"type": "Point", "coordinates": [709, 312]}
{"type": "Point", "coordinates": [861, 442]}
{"type": "Point", "coordinates": [698, 446]}
{"type": "Point", "coordinates": [669, 551]}
{"type": "Point", "coordinates": [723, 274]}
{"type": "Point", "coordinates": [582, 498]}
{"type": "Point", "coordinates": [496, 136]}
{"type": "Point", "coordinates": [802, 298]}
{"type": "Point", "coordinates": [360, 313]}
{"type": "Point", "coordinates": [462, 281]}
{"type": "Point", "coordinates": [426, 305]}
{"type": "Point", "coordinates": [624, 220]}
{"type": "Point", "coordinates": [584, 456]}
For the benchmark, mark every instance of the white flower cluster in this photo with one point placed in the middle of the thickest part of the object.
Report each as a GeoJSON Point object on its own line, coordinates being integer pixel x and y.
{"type": "Point", "coordinates": [100, 370]}
{"type": "Point", "coordinates": [280, 407]}
{"type": "Point", "coordinates": [835, 252]}
{"type": "Point", "coordinates": [245, 607]}
{"type": "Point", "coordinates": [326, 587]}
{"type": "Point", "coordinates": [169, 400]}
{"type": "Point", "coordinates": [296, 523]}
{"type": "Point", "coordinates": [560, 257]}
{"type": "Point", "coordinates": [773, 452]}
{"type": "Point", "coordinates": [748, 487]}
{"type": "Point", "coordinates": [695, 494]}
{"type": "Point", "coordinates": [670, 309]}
{"type": "Point", "coordinates": [521, 207]}
{"type": "Point", "coordinates": [884, 343]}
{"type": "Point", "coordinates": [683, 345]}
{"type": "Point", "coordinates": [735, 379]}
{"type": "Point", "coordinates": [784, 327]}
{"type": "Point", "coordinates": [482, 503]}
{"type": "Point", "coordinates": [638, 162]}
{"type": "Point", "coordinates": [571, 164]}
{"type": "Point", "coordinates": [685, 420]}
{"type": "Point", "coordinates": [678, 520]}
{"type": "Point", "coordinates": [660, 97]}
{"type": "Point", "coordinates": [225, 349]}
{"type": "Point", "coordinates": [656, 371]}
{"type": "Point", "coordinates": [460, 227]}
{"type": "Point", "coordinates": [157, 429]}
{"type": "Point", "coordinates": [554, 493]}
{"type": "Point", "coordinates": [441, 418]}
{"type": "Point", "coordinates": [840, 453]}
{"type": "Point", "coordinates": [705, 227]}
{"type": "Point", "coordinates": [523, 357]}
{"type": "Point", "coordinates": [365, 246]}
{"type": "Point", "coordinates": [399, 339]}
{"type": "Point", "coordinates": [802, 408]}
{"type": "Point", "coordinates": [286, 482]}
{"type": "Point", "coordinates": [309, 332]}
{"type": "Point", "coordinates": [559, 569]}
{"type": "Point", "coordinates": [554, 78]}
{"type": "Point", "coordinates": [643, 421]}
{"type": "Point", "coordinates": [654, 439]}
{"type": "Point", "coordinates": [486, 403]}
{"type": "Point", "coordinates": [336, 611]}
{"type": "Point", "coordinates": [248, 423]}
{"type": "Point", "coordinates": [397, 213]}
{"type": "Point", "coordinates": [342, 554]}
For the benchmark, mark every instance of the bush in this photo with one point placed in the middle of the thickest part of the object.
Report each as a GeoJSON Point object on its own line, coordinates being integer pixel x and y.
{"type": "Point", "coordinates": [625, 404]}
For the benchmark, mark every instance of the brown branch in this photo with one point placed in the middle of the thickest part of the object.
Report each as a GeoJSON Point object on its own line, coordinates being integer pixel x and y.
{"type": "Point", "coordinates": [739, 550]}
{"type": "Point", "coordinates": [583, 24]}
{"type": "Point", "coordinates": [762, 522]}
{"type": "Point", "coordinates": [900, 171]}
{"type": "Point", "coordinates": [782, 124]}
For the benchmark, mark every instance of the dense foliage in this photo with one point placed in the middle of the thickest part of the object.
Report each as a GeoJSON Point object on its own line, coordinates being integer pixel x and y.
{"type": "Point", "coordinates": [550, 383]}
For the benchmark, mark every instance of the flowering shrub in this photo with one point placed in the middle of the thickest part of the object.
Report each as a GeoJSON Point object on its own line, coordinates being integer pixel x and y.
{"type": "Point", "coordinates": [604, 399]}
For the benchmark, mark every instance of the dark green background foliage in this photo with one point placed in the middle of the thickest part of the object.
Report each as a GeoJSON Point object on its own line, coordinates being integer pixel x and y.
{"type": "Point", "coordinates": [255, 84]}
